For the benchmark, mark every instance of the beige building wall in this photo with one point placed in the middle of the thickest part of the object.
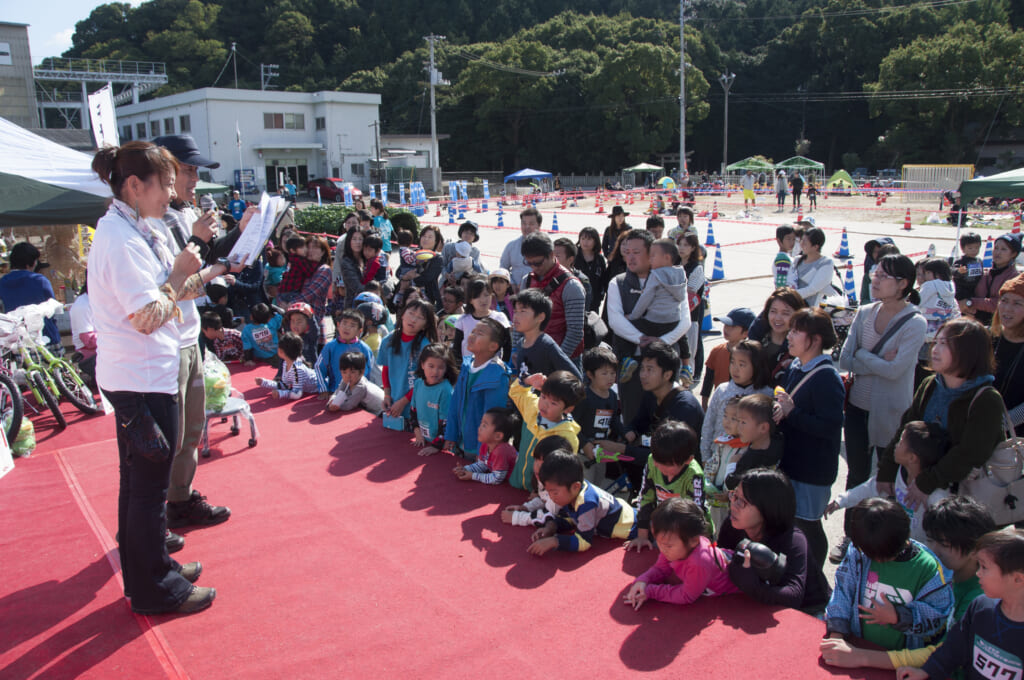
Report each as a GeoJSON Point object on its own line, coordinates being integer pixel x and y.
{"type": "Point", "coordinates": [17, 87]}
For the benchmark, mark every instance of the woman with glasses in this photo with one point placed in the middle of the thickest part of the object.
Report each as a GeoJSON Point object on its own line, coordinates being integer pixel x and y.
{"type": "Point", "coordinates": [1008, 335]}
{"type": "Point", "coordinates": [956, 397]}
{"type": "Point", "coordinates": [880, 353]}
{"type": "Point", "coordinates": [762, 509]}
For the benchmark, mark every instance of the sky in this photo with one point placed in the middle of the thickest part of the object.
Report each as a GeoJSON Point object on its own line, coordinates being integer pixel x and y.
{"type": "Point", "coordinates": [51, 22]}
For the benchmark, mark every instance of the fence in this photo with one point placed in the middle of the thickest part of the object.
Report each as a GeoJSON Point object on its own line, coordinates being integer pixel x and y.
{"type": "Point", "coordinates": [929, 181]}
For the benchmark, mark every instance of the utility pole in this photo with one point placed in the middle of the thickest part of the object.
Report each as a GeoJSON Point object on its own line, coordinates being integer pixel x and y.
{"type": "Point", "coordinates": [726, 82]}
{"type": "Point", "coordinates": [435, 79]}
{"type": "Point", "coordinates": [682, 91]}
{"type": "Point", "coordinates": [376, 143]}
{"type": "Point", "coordinates": [234, 62]}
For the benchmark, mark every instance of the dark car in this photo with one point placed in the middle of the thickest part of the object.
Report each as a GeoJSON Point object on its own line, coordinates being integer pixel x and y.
{"type": "Point", "coordinates": [332, 189]}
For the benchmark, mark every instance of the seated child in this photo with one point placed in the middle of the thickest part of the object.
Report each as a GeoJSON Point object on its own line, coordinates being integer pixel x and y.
{"type": "Point", "coordinates": [681, 531]}
{"type": "Point", "coordinates": [299, 319]}
{"type": "Point", "coordinates": [431, 396]}
{"type": "Point", "coordinates": [890, 590]}
{"type": "Point", "coordinates": [953, 526]}
{"type": "Point", "coordinates": [544, 414]}
{"type": "Point", "coordinates": [967, 269]}
{"type": "Point", "coordinates": [348, 324]}
{"type": "Point", "coordinates": [217, 293]}
{"type": "Point", "coordinates": [482, 385]}
{"type": "Point", "coordinates": [920, 447]}
{"type": "Point", "coordinates": [354, 390]}
{"type": "Point", "coordinates": [297, 379]}
{"type": "Point", "coordinates": [716, 368]}
{"type": "Point", "coordinates": [539, 508]}
{"type": "Point", "coordinates": [274, 270]}
{"type": "Point", "coordinates": [584, 510]}
{"type": "Point", "coordinates": [987, 641]}
{"type": "Point", "coordinates": [496, 456]}
{"type": "Point", "coordinates": [671, 472]}
{"type": "Point", "coordinates": [665, 288]}
{"type": "Point", "coordinates": [259, 336]}
{"type": "Point", "coordinates": [598, 414]}
{"type": "Point", "coordinates": [226, 343]}
{"type": "Point", "coordinates": [300, 269]}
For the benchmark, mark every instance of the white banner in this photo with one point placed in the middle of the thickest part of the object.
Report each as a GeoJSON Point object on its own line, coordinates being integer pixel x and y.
{"type": "Point", "coordinates": [103, 117]}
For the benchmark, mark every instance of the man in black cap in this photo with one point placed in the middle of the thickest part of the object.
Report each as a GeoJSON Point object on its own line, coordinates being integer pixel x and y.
{"type": "Point", "coordinates": [185, 505]}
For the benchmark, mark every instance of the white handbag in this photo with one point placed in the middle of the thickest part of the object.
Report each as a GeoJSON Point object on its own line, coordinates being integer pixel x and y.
{"type": "Point", "coordinates": [999, 483]}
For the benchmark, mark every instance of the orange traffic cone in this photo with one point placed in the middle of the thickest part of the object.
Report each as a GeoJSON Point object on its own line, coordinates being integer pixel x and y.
{"type": "Point", "coordinates": [714, 211]}
{"type": "Point", "coordinates": [800, 214]}
{"type": "Point", "coordinates": [600, 203]}
{"type": "Point", "coordinates": [479, 208]}
{"type": "Point", "coordinates": [1016, 223]}
{"type": "Point", "coordinates": [438, 214]}
{"type": "Point", "coordinates": [878, 200]}
{"type": "Point", "coordinates": [906, 221]}
{"type": "Point", "coordinates": [565, 201]}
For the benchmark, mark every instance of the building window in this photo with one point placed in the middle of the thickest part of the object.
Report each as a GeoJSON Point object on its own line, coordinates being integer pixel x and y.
{"type": "Point", "coordinates": [284, 121]}
{"type": "Point", "coordinates": [321, 123]}
{"type": "Point", "coordinates": [154, 128]}
{"type": "Point", "coordinates": [168, 126]}
{"type": "Point", "coordinates": [184, 124]}
{"type": "Point", "coordinates": [359, 169]}
{"type": "Point", "coordinates": [335, 171]}
{"type": "Point", "coordinates": [126, 133]}
{"type": "Point", "coordinates": [140, 128]}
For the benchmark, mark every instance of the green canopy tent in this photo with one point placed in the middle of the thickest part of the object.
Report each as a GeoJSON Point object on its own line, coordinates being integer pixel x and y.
{"type": "Point", "coordinates": [644, 167]}
{"type": "Point", "coordinates": [210, 188]}
{"type": "Point", "coordinates": [842, 181]}
{"type": "Point", "coordinates": [753, 163]}
{"type": "Point", "coordinates": [1008, 184]}
{"type": "Point", "coordinates": [800, 163]}
{"type": "Point", "coordinates": [42, 182]}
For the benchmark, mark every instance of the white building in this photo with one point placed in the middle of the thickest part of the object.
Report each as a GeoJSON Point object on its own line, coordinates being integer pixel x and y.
{"type": "Point", "coordinates": [299, 135]}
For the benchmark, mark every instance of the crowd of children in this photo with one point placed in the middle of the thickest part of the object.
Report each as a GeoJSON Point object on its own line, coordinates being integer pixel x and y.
{"type": "Point", "coordinates": [528, 415]}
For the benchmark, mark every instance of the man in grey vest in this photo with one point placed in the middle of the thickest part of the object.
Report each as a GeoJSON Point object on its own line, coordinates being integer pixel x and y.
{"type": "Point", "coordinates": [623, 292]}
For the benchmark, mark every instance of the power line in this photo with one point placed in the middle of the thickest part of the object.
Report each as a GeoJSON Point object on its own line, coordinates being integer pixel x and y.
{"type": "Point", "coordinates": [469, 56]}
{"type": "Point", "coordinates": [810, 14]}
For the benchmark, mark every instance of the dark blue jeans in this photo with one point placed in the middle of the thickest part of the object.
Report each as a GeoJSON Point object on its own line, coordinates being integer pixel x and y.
{"type": "Point", "coordinates": [151, 578]}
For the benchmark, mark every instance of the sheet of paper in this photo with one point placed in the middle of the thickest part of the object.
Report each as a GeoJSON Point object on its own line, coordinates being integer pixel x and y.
{"type": "Point", "coordinates": [250, 244]}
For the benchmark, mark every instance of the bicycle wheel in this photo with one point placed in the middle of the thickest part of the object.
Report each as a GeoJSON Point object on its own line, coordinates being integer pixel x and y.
{"type": "Point", "coordinates": [36, 379]}
{"type": "Point", "coordinates": [73, 387]}
{"type": "Point", "coordinates": [11, 408]}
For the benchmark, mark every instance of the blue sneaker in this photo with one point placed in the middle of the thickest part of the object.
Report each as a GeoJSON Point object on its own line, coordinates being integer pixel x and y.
{"type": "Point", "coordinates": [627, 369]}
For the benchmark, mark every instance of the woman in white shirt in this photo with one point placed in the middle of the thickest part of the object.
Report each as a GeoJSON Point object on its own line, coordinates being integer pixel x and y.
{"type": "Point", "coordinates": [811, 274]}
{"type": "Point", "coordinates": [134, 286]}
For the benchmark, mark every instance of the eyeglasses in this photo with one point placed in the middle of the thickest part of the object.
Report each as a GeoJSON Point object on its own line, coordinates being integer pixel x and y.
{"type": "Point", "coordinates": [739, 501]}
{"type": "Point", "coordinates": [536, 264]}
{"type": "Point", "coordinates": [878, 273]}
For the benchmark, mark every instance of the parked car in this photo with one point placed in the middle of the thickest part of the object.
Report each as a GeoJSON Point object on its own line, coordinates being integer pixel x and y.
{"type": "Point", "coordinates": [332, 189]}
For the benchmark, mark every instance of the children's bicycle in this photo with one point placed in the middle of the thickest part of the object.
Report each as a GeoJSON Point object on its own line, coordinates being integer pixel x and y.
{"type": "Point", "coordinates": [30, 362]}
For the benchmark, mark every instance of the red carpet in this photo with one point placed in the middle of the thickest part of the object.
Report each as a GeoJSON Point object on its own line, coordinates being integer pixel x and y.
{"type": "Point", "coordinates": [346, 554]}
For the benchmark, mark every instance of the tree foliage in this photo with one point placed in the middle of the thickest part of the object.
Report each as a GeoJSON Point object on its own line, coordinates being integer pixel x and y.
{"type": "Point", "coordinates": [612, 98]}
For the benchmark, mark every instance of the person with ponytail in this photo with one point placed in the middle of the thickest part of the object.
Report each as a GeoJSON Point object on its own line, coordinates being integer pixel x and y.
{"type": "Point", "coordinates": [382, 223]}
{"type": "Point", "coordinates": [135, 284]}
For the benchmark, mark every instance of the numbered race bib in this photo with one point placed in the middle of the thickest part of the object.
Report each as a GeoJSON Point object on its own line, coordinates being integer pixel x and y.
{"type": "Point", "coordinates": [602, 422]}
{"type": "Point", "coordinates": [425, 431]}
{"type": "Point", "coordinates": [645, 440]}
{"type": "Point", "coordinates": [994, 663]}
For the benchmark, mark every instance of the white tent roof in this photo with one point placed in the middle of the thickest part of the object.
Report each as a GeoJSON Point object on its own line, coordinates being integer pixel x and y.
{"type": "Point", "coordinates": [28, 155]}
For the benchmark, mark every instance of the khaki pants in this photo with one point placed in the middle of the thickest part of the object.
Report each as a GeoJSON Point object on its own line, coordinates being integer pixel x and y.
{"type": "Point", "coordinates": [191, 420]}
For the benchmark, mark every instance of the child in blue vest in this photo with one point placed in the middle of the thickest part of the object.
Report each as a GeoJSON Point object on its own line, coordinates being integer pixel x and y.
{"type": "Point", "coordinates": [348, 324]}
{"type": "Point", "coordinates": [399, 354]}
{"type": "Point", "coordinates": [259, 336]}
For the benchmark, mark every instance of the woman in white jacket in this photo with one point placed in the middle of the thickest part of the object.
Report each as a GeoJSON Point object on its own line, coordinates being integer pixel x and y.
{"type": "Point", "coordinates": [883, 376]}
{"type": "Point", "coordinates": [811, 274]}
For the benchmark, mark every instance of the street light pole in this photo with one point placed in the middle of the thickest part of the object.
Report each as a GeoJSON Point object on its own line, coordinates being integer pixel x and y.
{"type": "Point", "coordinates": [682, 92]}
{"type": "Point", "coordinates": [435, 79]}
{"type": "Point", "coordinates": [726, 82]}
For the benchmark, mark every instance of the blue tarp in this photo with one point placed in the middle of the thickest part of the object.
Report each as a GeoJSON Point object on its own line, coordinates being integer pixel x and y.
{"type": "Point", "coordinates": [527, 173]}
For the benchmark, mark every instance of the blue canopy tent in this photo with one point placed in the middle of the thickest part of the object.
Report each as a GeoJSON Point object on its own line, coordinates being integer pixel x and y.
{"type": "Point", "coordinates": [527, 173]}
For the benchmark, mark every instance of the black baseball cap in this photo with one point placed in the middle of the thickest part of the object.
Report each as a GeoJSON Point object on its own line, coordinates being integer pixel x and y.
{"type": "Point", "coordinates": [184, 148]}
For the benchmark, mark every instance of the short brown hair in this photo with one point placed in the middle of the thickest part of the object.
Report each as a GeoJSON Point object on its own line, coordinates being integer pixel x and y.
{"type": "Point", "coordinates": [970, 345]}
{"type": "Point", "coordinates": [815, 322]}
{"type": "Point", "coordinates": [115, 164]}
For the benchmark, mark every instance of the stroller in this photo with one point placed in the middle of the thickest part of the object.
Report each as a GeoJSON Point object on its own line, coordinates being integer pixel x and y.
{"type": "Point", "coordinates": [841, 308]}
